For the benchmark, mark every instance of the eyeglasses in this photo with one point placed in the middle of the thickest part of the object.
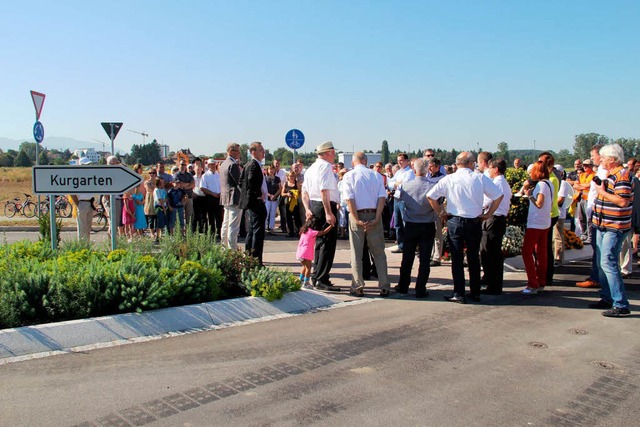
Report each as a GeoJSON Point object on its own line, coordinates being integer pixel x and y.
{"type": "Point", "coordinates": [152, 173]}
{"type": "Point", "coordinates": [428, 155]}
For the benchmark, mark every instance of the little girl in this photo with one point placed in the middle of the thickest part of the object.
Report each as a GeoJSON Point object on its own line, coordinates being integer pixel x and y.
{"type": "Point", "coordinates": [306, 249]}
{"type": "Point", "coordinates": [128, 215]}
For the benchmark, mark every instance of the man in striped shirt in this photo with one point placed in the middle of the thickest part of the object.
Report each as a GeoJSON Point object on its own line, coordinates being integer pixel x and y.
{"type": "Point", "coordinates": [611, 220]}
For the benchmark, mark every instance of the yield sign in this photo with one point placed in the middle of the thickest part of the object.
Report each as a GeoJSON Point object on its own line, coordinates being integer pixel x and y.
{"type": "Point", "coordinates": [38, 102]}
{"type": "Point", "coordinates": [111, 129]}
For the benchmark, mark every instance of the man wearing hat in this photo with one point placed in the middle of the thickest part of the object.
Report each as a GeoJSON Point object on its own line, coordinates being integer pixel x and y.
{"type": "Point", "coordinates": [320, 198]}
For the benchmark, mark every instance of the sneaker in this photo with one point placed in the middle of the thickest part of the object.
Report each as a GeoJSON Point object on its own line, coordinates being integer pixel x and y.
{"type": "Point", "coordinates": [307, 285]}
{"type": "Point", "coordinates": [617, 312]}
{"type": "Point", "coordinates": [529, 291]}
{"type": "Point", "coordinates": [600, 305]}
{"type": "Point", "coordinates": [589, 283]}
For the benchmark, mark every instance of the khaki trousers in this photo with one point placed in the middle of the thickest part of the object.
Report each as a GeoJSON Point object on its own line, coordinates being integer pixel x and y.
{"type": "Point", "coordinates": [85, 215]}
{"type": "Point", "coordinates": [375, 241]}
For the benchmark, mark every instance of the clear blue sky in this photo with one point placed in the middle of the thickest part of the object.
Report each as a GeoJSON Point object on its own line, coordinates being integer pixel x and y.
{"type": "Point", "coordinates": [419, 74]}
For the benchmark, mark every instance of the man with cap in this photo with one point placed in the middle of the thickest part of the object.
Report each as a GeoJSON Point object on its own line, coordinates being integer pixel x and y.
{"type": "Point", "coordinates": [253, 194]}
{"type": "Point", "coordinates": [320, 198]}
{"type": "Point", "coordinates": [465, 191]}
{"type": "Point", "coordinates": [230, 197]}
{"type": "Point", "coordinates": [365, 195]}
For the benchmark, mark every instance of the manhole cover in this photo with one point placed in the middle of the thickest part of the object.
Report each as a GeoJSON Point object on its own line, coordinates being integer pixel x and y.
{"type": "Point", "coordinates": [578, 331]}
{"type": "Point", "coordinates": [536, 344]}
{"type": "Point", "coordinates": [604, 365]}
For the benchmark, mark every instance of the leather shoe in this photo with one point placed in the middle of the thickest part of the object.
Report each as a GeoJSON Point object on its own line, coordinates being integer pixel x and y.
{"type": "Point", "coordinates": [400, 289]}
{"type": "Point", "coordinates": [456, 298]}
{"type": "Point", "coordinates": [384, 293]}
{"type": "Point", "coordinates": [434, 263]}
{"type": "Point", "coordinates": [601, 305]}
{"type": "Point", "coordinates": [489, 292]}
{"type": "Point", "coordinates": [357, 293]}
{"type": "Point", "coordinates": [588, 284]}
{"type": "Point", "coordinates": [326, 287]}
{"type": "Point", "coordinates": [473, 297]}
{"type": "Point", "coordinates": [422, 294]}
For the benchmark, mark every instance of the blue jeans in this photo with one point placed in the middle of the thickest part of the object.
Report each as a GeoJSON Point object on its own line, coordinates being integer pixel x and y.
{"type": "Point", "coordinates": [608, 244]}
{"type": "Point", "coordinates": [398, 221]}
{"type": "Point", "coordinates": [461, 231]}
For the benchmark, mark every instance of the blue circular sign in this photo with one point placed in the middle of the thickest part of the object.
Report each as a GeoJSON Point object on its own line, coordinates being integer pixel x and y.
{"type": "Point", "coordinates": [294, 139]}
{"type": "Point", "coordinates": [38, 132]}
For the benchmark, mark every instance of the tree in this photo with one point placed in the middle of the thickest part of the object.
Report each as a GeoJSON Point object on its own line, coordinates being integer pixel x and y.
{"type": "Point", "coordinates": [22, 159]}
{"type": "Point", "coordinates": [584, 143]}
{"type": "Point", "coordinates": [503, 151]}
{"type": "Point", "coordinates": [147, 154]}
{"type": "Point", "coordinates": [244, 153]}
{"type": "Point", "coordinates": [629, 145]}
{"type": "Point", "coordinates": [385, 152]}
{"type": "Point", "coordinates": [30, 149]}
{"type": "Point", "coordinates": [43, 159]}
{"type": "Point", "coordinates": [6, 160]}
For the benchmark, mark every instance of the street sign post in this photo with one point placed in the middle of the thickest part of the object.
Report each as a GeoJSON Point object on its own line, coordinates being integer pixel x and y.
{"type": "Point", "coordinates": [294, 140]}
{"type": "Point", "coordinates": [91, 179]}
{"type": "Point", "coordinates": [38, 135]}
{"type": "Point", "coordinates": [112, 129]}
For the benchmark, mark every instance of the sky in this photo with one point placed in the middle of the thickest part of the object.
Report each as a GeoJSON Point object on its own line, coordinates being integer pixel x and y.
{"type": "Point", "coordinates": [200, 74]}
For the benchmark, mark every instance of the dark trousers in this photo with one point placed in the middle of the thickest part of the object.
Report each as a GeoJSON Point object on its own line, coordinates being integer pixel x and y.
{"type": "Point", "coordinates": [386, 219]}
{"type": "Point", "coordinates": [254, 242]}
{"type": "Point", "coordinates": [550, 257]}
{"type": "Point", "coordinates": [199, 222]}
{"type": "Point", "coordinates": [491, 257]}
{"type": "Point", "coordinates": [283, 207]}
{"type": "Point", "coordinates": [215, 214]}
{"type": "Point", "coordinates": [325, 245]}
{"type": "Point", "coordinates": [461, 231]}
{"type": "Point", "coordinates": [293, 220]}
{"type": "Point", "coordinates": [368, 265]}
{"type": "Point", "coordinates": [417, 234]}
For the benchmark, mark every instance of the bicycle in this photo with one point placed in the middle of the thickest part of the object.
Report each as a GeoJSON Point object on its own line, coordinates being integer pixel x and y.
{"type": "Point", "coordinates": [26, 208]}
{"type": "Point", "coordinates": [99, 221]}
{"type": "Point", "coordinates": [62, 206]}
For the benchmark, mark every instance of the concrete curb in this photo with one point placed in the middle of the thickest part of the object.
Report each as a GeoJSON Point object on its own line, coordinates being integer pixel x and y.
{"type": "Point", "coordinates": [31, 342]}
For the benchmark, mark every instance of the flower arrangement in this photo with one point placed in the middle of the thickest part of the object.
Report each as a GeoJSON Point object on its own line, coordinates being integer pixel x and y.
{"type": "Point", "coordinates": [571, 240]}
{"type": "Point", "coordinates": [512, 241]}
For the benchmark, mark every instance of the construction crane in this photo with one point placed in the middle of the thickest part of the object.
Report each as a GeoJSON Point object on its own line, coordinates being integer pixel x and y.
{"type": "Point", "coordinates": [144, 135]}
{"type": "Point", "coordinates": [101, 142]}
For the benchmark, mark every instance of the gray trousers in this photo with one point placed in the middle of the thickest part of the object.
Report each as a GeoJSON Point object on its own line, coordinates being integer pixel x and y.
{"type": "Point", "coordinates": [375, 241]}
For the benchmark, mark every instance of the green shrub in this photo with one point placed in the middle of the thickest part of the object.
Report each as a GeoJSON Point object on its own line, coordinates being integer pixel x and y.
{"type": "Point", "coordinates": [519, 205]}
{"type": "Point", "coordinates": [269, 284]}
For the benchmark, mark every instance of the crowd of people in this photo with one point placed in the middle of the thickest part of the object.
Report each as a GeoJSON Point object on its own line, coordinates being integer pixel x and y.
{"type": "Point", "coordinates": [412, 202]}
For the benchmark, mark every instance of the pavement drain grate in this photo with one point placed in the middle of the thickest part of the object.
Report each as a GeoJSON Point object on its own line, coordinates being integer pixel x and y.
{"type": "Point", "coordinates": [289, 369]}
{"type": "Point", "coordinates": [575, 331]}
{"type": "Point", "coordinates": [273, 373]}
{"type": "Point", "coordinates": [604, 365]}
{"type": "Point", "coordinates": [160, 409]}
{"type": "Point", "coordinates": [112, 420]}
{"type": "Point", "coordinates": [257, 378]}
{"type": "Point", "coordinates": [220, 390]}
{"type": "Point", "coordinates": [537, 344]}
{"type": "Point", "coordinates": [180, 402]}
{"type": "Point", "coordinates": [137, 416]}
{"type": "Point", "coordinates": [201, 396]}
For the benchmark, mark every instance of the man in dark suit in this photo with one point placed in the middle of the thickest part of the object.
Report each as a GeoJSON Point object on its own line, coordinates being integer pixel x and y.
{"type": "Point", "coordinates": [230, 197]}
{"type": "Point", "coordinates": [253, 193]}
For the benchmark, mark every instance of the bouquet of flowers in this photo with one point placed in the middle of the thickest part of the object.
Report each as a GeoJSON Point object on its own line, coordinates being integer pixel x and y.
{"type": "Point", "coordinates": [512, 241]}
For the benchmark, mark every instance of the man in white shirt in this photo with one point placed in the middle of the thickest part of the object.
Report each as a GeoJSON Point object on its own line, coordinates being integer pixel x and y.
{"type": "Point", "coordinates": [210, 186]}
{"type": "Point", "coordinates": [493, 229]}
{"type": "Point", "coordinates": [405, 174]}
{"type": "Point", "coordinates": [365, 194]}
{"type": "Point", "coordinates": [465, 191]}
{"type": "Point", "coordinates": [320, 198]}
{"type": "Point", "coordinates": [435, 173]}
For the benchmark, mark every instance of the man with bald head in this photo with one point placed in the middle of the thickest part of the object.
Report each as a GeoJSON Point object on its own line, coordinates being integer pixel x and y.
{"type": "Point", "coordinates": [464, 191]}
{"type": "Point", "coordinates": [364, 191]}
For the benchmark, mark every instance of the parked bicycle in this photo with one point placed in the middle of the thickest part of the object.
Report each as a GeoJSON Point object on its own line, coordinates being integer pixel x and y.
{"type": "Point", "coordinates": [26, 208]}
{"type": "Point", "coordinates": [63, 207]}
{"type": "Point", "coordinates": [99, 222]}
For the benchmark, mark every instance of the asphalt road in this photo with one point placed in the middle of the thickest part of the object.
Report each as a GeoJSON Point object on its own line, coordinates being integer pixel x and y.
{"type": "Point", "coordinates": [511, 360]}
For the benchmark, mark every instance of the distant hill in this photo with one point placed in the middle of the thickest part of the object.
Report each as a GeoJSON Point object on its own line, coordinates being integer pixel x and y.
{"type": "Point", "coordinates": [51, 143]}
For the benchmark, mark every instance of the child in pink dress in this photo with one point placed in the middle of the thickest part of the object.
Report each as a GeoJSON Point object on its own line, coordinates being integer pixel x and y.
{"type": "Point", "coordinates": [306, 249]}
{"type": "Point", "coordinates": [128, 215]}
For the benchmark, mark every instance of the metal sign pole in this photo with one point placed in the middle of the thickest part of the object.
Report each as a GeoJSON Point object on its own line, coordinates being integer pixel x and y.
{"type": "Point", "coordinates": [294, 156]}
{"type": "Point", "coordinates": [112, 200]}
{"type": "Point", "coordinates": [52, 220]}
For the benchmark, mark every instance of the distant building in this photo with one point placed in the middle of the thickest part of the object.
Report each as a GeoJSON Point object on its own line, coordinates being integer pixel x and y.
{"type": "Point", "coordinates": [346, 158]}
{"type": "Point", "coordinates": [89, 153]}
{"type": "Point", "coordinates": [164, 151]}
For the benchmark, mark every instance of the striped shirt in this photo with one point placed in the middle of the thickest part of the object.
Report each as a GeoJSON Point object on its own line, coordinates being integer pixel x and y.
{"type": "Point", "coordinates": [605, 213]}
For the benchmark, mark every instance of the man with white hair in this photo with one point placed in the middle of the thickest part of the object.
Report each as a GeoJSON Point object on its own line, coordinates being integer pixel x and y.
{"type": "Point", "coordinates": [611, 222]}
{"type": "Point", "coordinates": [230, 197]}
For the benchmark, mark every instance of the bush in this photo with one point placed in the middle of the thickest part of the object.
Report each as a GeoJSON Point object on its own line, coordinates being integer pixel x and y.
{"type": "Point", "coordinates": [78, 281]}
{"type": "Point", "coordinates": [519, 205]}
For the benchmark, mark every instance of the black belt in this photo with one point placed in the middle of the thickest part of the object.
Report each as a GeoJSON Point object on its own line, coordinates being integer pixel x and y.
{"type": "Point", "coordinates": [320, 202]}
{"type": "Point", "coordinates": [367, 210]}
{"type": "Point", "coordinates": [463, 219]}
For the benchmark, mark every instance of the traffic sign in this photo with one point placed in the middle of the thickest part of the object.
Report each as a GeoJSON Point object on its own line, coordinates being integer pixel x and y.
{"type": "Point", "coordinates": [103, 179]}
{"type": "Point", "coordinates": [294, 139]}
{"type": "Point", "coordinates": [38, 132]}
{"type": "Point", "coordinates": [38, 102]}
{"type": "Point", "coordinates": [111, 129]}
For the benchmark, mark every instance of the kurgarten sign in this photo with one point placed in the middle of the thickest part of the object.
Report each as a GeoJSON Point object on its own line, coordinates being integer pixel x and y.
{"type": "Point", "coordinates": [84, 179]}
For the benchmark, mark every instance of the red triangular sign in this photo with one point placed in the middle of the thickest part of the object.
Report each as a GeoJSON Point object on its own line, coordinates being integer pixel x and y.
{"type": "Point", "coordinates": [38, 102]}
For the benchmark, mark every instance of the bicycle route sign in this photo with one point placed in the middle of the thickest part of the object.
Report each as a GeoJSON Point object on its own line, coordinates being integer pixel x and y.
{"type": "Point", "coordinates": [91, 179]}
{"type": "Point", "coordinates": [294, 139]}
